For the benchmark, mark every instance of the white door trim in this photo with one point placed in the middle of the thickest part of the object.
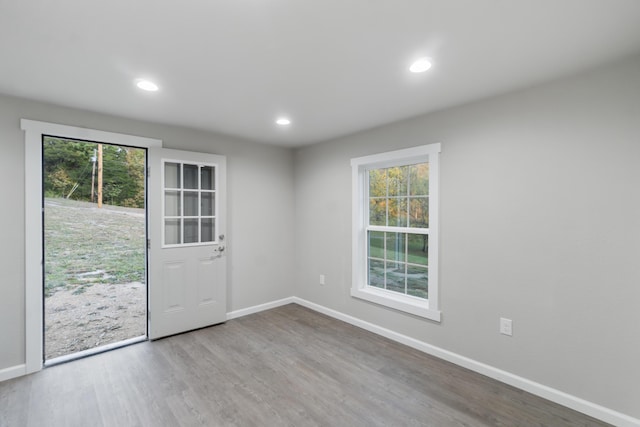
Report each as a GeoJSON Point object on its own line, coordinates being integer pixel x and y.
{"type": "Point", "coordinates": [34, 130]}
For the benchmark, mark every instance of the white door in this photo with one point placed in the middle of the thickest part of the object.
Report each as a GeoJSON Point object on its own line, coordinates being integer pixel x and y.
{"type": "Point", "coordinates": [187, 257]}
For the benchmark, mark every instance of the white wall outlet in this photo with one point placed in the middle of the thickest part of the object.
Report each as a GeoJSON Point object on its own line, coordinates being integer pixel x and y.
{"type": "Point", "coordinates": [506, 326]}
{"type": "Point", "coordinates": [322, 279]}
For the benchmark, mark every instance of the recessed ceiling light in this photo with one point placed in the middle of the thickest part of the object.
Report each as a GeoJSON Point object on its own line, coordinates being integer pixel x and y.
{"type": "Point", "coordinates": [283, 121]}
{"type": "Point", "coordinates": [147, 85]}
{"type": "Point", "coordinates": [420, 66]}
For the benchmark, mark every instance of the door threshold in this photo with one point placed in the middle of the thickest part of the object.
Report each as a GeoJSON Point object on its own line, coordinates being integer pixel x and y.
{"type": "Point", "coordinates": [93, 351]}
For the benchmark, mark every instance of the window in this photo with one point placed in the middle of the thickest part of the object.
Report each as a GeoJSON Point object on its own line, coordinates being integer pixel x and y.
{"type": "Point", "coordinates": [395, 229]}
{"type": "Point", "coordinates": [189, 203]}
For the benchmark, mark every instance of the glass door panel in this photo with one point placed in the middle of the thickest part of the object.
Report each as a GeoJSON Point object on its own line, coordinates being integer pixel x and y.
{"type": "Point", "coordinates": [208, 229]}
{"type": "Point", "coordinates": [190, 176]}
{"type": "Point", "coordinates": [172, 175]}
{"type": "Point", "coordinates": [207, 204]}
{"type": "Point", "coordinates": [172, 203]}
{"type": "Point", "coordinates": [208, 178]}
{"type": "Point", "coordinates": [189, 203]}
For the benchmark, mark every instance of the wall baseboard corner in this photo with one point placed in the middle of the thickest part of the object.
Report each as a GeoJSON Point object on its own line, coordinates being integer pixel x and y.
{"type": "Point", "coordinates": [573, 402]}
{"type": "Point", "coordinates": [258, 308]}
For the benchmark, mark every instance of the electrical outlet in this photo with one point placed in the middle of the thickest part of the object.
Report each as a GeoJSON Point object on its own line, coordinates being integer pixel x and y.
{"type": "Point", "coordinates": [506, 326]}
{"type": "Point", "coordinates": [322, 279]}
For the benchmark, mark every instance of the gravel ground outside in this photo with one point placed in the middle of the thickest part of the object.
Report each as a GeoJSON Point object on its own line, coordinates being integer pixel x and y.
{"type": "Point", "coordinates": [92, 260]}
{"type": "Point", "coordinates": [103, 314]}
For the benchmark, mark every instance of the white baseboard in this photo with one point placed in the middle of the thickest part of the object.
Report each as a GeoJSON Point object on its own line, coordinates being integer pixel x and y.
{"type": "Point", "coordinates": [12, 372]}
{"type": "Point", "coordinates": [589, 408]}
{"type": "Point", "coordinates": [594, 410]}
{"type": "Point", "coordinates": [257, 308]}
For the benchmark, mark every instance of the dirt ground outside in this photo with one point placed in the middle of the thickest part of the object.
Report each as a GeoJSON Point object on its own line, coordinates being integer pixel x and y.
{"type": "Point", "coordinates": [94, 276]}
{"type": "Point", "coordinates": [103, 314]}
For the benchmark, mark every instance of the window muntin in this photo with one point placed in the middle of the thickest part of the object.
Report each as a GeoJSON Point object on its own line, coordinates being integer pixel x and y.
{"type": "Point", "coordinates": [395, 229]}
{"type": "Point", "coordinates": [399, 201]}
{"type": "Point", "coordinates": [399, 195]}
{"type": "Point", "coordinates": [189, 204]}
{"type": "Point", "coordinates": [398, 262]}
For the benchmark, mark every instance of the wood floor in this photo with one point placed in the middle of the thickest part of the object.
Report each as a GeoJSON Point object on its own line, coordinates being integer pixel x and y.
{"type": "Point", "coordinates": [285, 367]}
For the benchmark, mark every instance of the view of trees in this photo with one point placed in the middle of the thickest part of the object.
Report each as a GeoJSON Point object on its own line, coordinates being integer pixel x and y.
{"type": "Point", "coordinates": [69, 165]}
{"type": "Point", "coordinates": [403, 192]}
{"type": "Point", "coordinates": [399, 197]}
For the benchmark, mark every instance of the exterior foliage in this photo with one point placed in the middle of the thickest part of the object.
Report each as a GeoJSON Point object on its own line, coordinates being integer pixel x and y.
{"type": "Point", "coordinates": [68, 166]}
{"type": "Point", "coordinates": [398, 196]}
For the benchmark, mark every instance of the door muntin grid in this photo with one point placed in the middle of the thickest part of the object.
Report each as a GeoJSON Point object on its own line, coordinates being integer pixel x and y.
{"type": "Point", "coordinates": [189, 203]}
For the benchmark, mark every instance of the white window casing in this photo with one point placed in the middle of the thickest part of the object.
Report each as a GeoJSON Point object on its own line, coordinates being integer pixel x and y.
{"type": "Point", "coordinates": [422, 307]}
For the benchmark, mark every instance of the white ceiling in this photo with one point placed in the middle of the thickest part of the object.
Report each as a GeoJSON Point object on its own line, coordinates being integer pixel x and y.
{"type": "Point", "coordinates": [333, 66]}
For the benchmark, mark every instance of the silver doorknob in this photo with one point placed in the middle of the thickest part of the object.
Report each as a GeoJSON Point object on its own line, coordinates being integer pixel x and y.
{"type": "Point", "coordinates": [217, 252]}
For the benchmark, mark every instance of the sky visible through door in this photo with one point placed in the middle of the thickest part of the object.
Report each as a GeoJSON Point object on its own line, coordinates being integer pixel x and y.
{"type": "Point", "coordinates": [94, 253]}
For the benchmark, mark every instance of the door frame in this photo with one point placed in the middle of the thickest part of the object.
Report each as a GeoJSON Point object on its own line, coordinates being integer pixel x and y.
{"type": "Point", "coordinates": [34, 131]}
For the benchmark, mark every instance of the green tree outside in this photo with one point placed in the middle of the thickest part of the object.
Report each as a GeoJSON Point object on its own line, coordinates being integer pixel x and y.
{"type": "Point", "coordinates": [68, 166]}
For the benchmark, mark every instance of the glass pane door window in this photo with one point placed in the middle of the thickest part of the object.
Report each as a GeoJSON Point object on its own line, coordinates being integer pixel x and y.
{"type": "Point", "coordinates": [189, 203]}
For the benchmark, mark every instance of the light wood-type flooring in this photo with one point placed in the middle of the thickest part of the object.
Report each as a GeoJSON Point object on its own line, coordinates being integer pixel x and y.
{"type": "Point", "coordinates": [288, 366]}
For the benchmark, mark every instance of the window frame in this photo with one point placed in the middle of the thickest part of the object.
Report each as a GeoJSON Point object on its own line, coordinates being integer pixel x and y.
{"type": "Point", "coordinates": [182, 216]}
{"type": "Point", "coordinates": [422, 307]}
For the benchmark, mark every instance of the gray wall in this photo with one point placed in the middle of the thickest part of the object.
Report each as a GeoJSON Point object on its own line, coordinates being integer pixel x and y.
{"type": "Point", "coordinates": [260, 210]}
{"type": "Point", "coordinates": [540, 223]}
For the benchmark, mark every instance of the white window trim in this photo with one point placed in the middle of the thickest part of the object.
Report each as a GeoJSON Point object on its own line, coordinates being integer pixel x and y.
{"type": "Point", "coordinates": [417, 306]}
{"type": "Point", "coordinates": [182, 217]}
{"type": "Point", "coordinates": [34, 131]}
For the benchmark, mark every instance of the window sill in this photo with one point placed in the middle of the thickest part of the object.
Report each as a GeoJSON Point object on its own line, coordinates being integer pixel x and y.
{"type": "Point", "coordinates": [398, 302]}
